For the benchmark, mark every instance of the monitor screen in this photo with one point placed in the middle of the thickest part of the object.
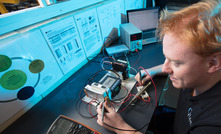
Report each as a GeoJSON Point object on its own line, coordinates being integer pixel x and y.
{"type": "Point", "coordinates": [145, 19]}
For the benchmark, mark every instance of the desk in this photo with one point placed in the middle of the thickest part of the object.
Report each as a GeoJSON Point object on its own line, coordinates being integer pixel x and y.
{"type": "Point", "coordinates": [62, 101]}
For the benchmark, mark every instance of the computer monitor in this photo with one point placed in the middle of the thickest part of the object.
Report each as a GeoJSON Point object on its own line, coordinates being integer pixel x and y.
{"type": "Point", "coordinates": [146, 19]}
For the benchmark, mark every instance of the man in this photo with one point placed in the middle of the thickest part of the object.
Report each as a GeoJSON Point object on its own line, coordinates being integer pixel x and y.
{"type": "Point", "coordinates": [192, 48]}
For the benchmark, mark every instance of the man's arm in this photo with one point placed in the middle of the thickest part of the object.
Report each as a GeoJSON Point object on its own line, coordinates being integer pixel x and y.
{"type": "Point", "coordinates": [114, 120]}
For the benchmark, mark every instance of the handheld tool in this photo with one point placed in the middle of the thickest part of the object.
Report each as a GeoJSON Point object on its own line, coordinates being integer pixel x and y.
{"type": "Point", "coordinates": [103, 107]}
{"type": "Point", "coordinates": [139, 93]}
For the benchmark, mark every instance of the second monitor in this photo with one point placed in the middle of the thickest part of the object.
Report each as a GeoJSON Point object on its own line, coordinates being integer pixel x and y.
{"type": "Point", "coordinates": [146, 19]}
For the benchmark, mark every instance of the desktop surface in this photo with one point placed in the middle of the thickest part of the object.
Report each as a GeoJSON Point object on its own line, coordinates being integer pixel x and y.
{"type": "Point", "coordinates": [64, 99]}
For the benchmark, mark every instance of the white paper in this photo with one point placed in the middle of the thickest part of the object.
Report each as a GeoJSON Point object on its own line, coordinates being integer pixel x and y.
{"type": "Point", "coordinates": [109, 17]}
{"type": "Point", "coordinates": [23, 52]}
{"type": "Point", "coordinates": [89, 30]}
{"type": "Point", "coordinates": [63, 39]}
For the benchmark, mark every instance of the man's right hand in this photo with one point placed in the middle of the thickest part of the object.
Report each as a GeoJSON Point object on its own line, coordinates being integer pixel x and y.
{"type": "Point", "coordinates": [151, 71]}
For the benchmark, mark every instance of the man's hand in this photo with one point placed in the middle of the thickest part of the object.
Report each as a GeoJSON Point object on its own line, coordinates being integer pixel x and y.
{"type": "Point", "coordinates": [113, 119]}
{"type": "Point", "coordinates": [145, 77]}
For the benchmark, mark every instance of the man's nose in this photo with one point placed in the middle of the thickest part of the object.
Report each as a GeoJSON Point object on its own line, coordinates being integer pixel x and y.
{"type": "Point", "coordinates": [166, 67]}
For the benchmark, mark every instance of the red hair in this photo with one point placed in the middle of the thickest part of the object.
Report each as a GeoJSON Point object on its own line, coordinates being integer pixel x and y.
{"type": "Point", "coordinates": [198, 25]}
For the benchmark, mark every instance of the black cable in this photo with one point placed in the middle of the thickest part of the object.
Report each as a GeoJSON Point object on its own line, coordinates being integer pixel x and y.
{"type": "Point", "coordinates": [91, 57]}
{"type": "Point", "coordinates": [104, 46]}
{"type": "Point", "coordinates": [78, 105]}
{"type": "Point", "coordinates": [119, 99]}
{"type": "Point", "coordinates": [87, 82]}
{"type": "Point", "coordinates": [90, 78]}
{"type": "Point", "coordinates": [126, 129]}
{"type": "Point", "coordinates": [78, 109]}
{"type": "Point", "coordinates": [96, 73]}
{"type": "Point", "coordinates": [97, 57]}
{"type": "Point", "coordinates": [95, 61]}
{"type": "Point", "coordinates": [145, 103]}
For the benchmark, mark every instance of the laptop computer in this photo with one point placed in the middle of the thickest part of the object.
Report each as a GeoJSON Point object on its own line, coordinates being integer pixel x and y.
{"type": "Point", "coordinates": [146, 19]}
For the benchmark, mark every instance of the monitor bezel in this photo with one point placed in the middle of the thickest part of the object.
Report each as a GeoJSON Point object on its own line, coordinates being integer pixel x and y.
{"type": "Point", "coordinates": [143, 9]}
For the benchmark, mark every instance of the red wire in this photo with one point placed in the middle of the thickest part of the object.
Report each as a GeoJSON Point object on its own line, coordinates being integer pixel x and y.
{"type": "Point", "coordinates": [147, 100]}
{"type": "Point", "coordinates": [94, 99]}
{"type": "Point", "coordinates": [152, 82]}
{"type": "Point", "coordinates": [107, 58]}
{"type": "Point", "coordinates": [122, 110]}
{"type": "Point", "coordinates": [138, 58]}
{"type": "Point", "coordinates": [106, 61]}
{"type": "Point", "coordinates": [138, 98]}
{"type": "Point", "coordinates": [90, 108]}
{"type": "Point", "coordinates": [141, 98]}
{"type": "Point", "coordinates": [126, 99]}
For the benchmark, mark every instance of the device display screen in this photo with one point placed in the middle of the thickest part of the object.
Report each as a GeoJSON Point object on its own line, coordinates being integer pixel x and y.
{"type": "Point", "coordinates": [109, 82]}
{"type": "Point", "coordinates": [62, 127]}
{"type": "Point", "coordinates": [136, 37]}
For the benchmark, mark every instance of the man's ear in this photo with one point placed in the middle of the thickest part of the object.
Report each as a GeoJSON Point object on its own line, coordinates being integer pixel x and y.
{"type": "Point", "coordinates": [215, 62]}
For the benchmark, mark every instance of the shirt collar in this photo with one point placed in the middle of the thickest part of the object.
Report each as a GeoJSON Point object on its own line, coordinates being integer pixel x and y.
{"type": "Point", "coordinates": [204, 98]}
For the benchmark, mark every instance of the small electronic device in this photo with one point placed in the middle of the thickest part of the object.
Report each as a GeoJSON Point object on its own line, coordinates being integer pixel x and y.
{"type": "Point", "coordinates": [65, 125]}
{"type": "Point", "coordinates": [108, 86]}
{"type": "Point", "coordinates": [95, 90]}
{"type": "Point", "coordinates": [121, 66]}
{"type": "Point", "coordinates": [131, 36]}
{"type": "Point", "coordinates": [113, 84]}
{"type": "Point", "coordinates": [117, 49]}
